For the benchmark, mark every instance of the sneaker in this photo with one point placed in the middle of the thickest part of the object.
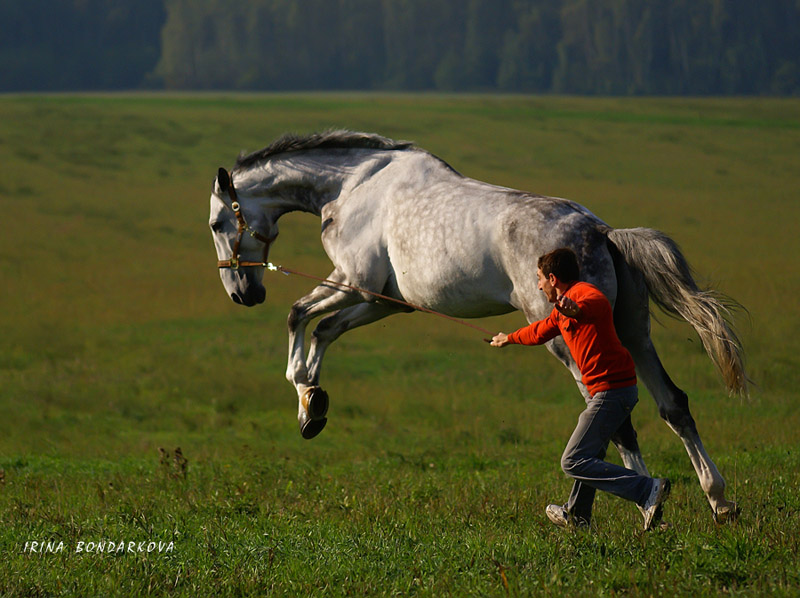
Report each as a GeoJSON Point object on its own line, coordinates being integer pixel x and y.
{"type": "Point", "coordinates": [559, 516]}
{"type": "Point", "coordinates": [653, 507]}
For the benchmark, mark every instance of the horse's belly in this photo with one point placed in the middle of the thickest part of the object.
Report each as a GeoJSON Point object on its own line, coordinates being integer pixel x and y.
{"type": "Point", "coordinates": [455, 291]}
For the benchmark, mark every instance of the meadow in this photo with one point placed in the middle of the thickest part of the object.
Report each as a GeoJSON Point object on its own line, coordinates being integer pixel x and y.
{"type": "Point", "coordinates": [119, 346]}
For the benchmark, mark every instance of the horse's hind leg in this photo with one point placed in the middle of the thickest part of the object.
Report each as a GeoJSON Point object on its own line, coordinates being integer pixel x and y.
{"type": "Point", "coordinates": [673, 406]}
{"type": "Point", "coordinates": [628, 446]}
{"type": "Point", "coordinates": [632, 321]}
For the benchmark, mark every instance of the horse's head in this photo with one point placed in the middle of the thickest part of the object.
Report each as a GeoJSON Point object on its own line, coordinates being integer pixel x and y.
{"type": "Point", "coordinates": [243, 232]}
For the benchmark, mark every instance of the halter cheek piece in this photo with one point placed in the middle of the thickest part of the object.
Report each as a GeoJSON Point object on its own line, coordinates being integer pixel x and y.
{"type": "Point", "coordinates": [226, 184]}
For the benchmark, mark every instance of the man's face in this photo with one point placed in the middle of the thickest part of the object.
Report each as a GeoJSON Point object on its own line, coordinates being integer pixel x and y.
{"type": "Point", "coordinates": [546, 285]}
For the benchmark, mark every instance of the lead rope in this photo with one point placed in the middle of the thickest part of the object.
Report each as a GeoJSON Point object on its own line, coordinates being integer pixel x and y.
{"type": "Point", "coordinates": [287, 271]}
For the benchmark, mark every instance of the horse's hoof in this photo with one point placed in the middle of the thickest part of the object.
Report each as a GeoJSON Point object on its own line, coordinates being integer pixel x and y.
{"type": "Point", "coordinates": [311, 427]}
{"type": "Point", "coordinates": [315, 402]}
{"type": "Point", "coordinates": [727, 513]}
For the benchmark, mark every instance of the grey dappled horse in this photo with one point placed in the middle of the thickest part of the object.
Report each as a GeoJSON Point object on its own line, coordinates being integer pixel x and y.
{"type": "Point", "coordinates": [398, 221]}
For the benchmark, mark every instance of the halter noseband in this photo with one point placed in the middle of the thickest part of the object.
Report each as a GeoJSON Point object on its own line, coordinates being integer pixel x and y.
{"type": "Point", "coordinates": [226, 184]}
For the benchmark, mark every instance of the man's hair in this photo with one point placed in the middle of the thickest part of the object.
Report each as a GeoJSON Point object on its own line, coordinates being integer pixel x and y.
{"type": "Point", "coordinates": [562, 262]}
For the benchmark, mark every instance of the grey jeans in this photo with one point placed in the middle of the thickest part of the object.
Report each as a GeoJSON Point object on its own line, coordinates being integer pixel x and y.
{"type": "Point", "coordinates": [606, 413]}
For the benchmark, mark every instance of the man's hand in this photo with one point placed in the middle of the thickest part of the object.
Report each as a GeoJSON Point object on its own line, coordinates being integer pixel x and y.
{"type": "Point", "coordinates": [499, 340]}
{"type": "Point", "coordinates": [567, 306]}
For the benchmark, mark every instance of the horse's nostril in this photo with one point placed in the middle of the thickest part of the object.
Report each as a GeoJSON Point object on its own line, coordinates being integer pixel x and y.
{"type": "Point", "coordinates": [235, 298]}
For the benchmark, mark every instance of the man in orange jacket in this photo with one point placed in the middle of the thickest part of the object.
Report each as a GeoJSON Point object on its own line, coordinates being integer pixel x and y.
{"type": "Point", "coordinates": [584, 318]}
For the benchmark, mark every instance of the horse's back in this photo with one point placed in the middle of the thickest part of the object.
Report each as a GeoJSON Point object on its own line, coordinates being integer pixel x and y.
{"type": "Point", "coordinates": [470, 248]}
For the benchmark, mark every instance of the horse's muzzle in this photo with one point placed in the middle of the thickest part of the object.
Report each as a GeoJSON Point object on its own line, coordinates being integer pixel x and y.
{"type": "Point", "coordinates": [253, 296]}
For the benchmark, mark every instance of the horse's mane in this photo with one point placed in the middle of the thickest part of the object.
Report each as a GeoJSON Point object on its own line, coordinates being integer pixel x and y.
{"type": "Point", "coordinates": [332, 139]}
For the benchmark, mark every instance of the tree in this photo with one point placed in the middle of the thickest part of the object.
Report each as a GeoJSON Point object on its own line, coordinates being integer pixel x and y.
{"type": "Point", "coordinates": [566, 46]}
{"type": "Point", "coordinates": [78, 44]}
{"type": "Point", "coordinates": [529, 54]}
{"type": "Point", "coordinates": [486, 26]}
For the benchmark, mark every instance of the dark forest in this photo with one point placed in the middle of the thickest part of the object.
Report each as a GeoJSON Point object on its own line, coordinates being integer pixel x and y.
{"type": "Point", "coordinates": [608, 47]}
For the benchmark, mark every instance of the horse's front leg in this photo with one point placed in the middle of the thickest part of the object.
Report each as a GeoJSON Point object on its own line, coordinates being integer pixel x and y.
{"type": "Point", "coordinates": [332, 327]}
{"type": "Point", "coordinates": [312, 400]}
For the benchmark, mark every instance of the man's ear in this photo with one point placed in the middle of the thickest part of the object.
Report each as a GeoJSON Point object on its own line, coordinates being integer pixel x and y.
{"type": "Point", "coordinates": [224, 179]}
{"type": "Point", "coordinates": [553, 279]}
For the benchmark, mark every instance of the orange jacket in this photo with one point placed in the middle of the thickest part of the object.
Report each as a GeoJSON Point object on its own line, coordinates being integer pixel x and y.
{"type": "Point", "coordinates": [591, 338]}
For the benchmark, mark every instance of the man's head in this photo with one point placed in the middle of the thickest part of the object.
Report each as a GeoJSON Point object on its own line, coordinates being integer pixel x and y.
{"type": "Point", "coordinates": [557, 270]}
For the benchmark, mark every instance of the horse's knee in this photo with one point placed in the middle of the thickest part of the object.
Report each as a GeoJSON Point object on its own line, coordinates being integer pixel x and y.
{"type": "Point", "coordinates": [329, 329]}
{"type": "Point", "coordinates": [296, 315]}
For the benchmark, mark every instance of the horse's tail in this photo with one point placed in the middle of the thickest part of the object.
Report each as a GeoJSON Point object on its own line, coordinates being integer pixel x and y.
{"type": "Point", "coordinates": [671, 286]}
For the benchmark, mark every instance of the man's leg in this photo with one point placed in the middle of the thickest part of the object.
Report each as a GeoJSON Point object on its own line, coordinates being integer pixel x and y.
{"type": "Point", "coordinates": [581, 498]}
{"type": "Point", "coordinates": [579, 504]}
{"type": "Point", "coordinates": [605, 413]}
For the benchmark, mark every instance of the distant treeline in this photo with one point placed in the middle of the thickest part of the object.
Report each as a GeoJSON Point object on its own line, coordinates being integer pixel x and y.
{"type": "Point", "coordinates": [48, 45]}
{"type": "Point", "coordinates": [563, 46]}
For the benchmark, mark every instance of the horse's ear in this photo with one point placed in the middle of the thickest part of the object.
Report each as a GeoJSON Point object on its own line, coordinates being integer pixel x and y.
{"type": "Point", "coordinates": [224, 179]}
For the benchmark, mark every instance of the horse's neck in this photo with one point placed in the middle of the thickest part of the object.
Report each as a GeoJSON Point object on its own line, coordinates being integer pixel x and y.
{"type": "Point", "coordinates": [319, 178]}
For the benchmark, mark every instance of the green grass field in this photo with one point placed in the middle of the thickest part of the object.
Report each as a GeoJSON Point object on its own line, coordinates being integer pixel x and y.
{"type": "Point", "coordinates": [431, 478]}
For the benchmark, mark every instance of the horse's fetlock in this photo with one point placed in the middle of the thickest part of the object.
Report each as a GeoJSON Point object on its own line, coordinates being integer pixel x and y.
{"type": "Point", "coordinates": [714, 487]}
